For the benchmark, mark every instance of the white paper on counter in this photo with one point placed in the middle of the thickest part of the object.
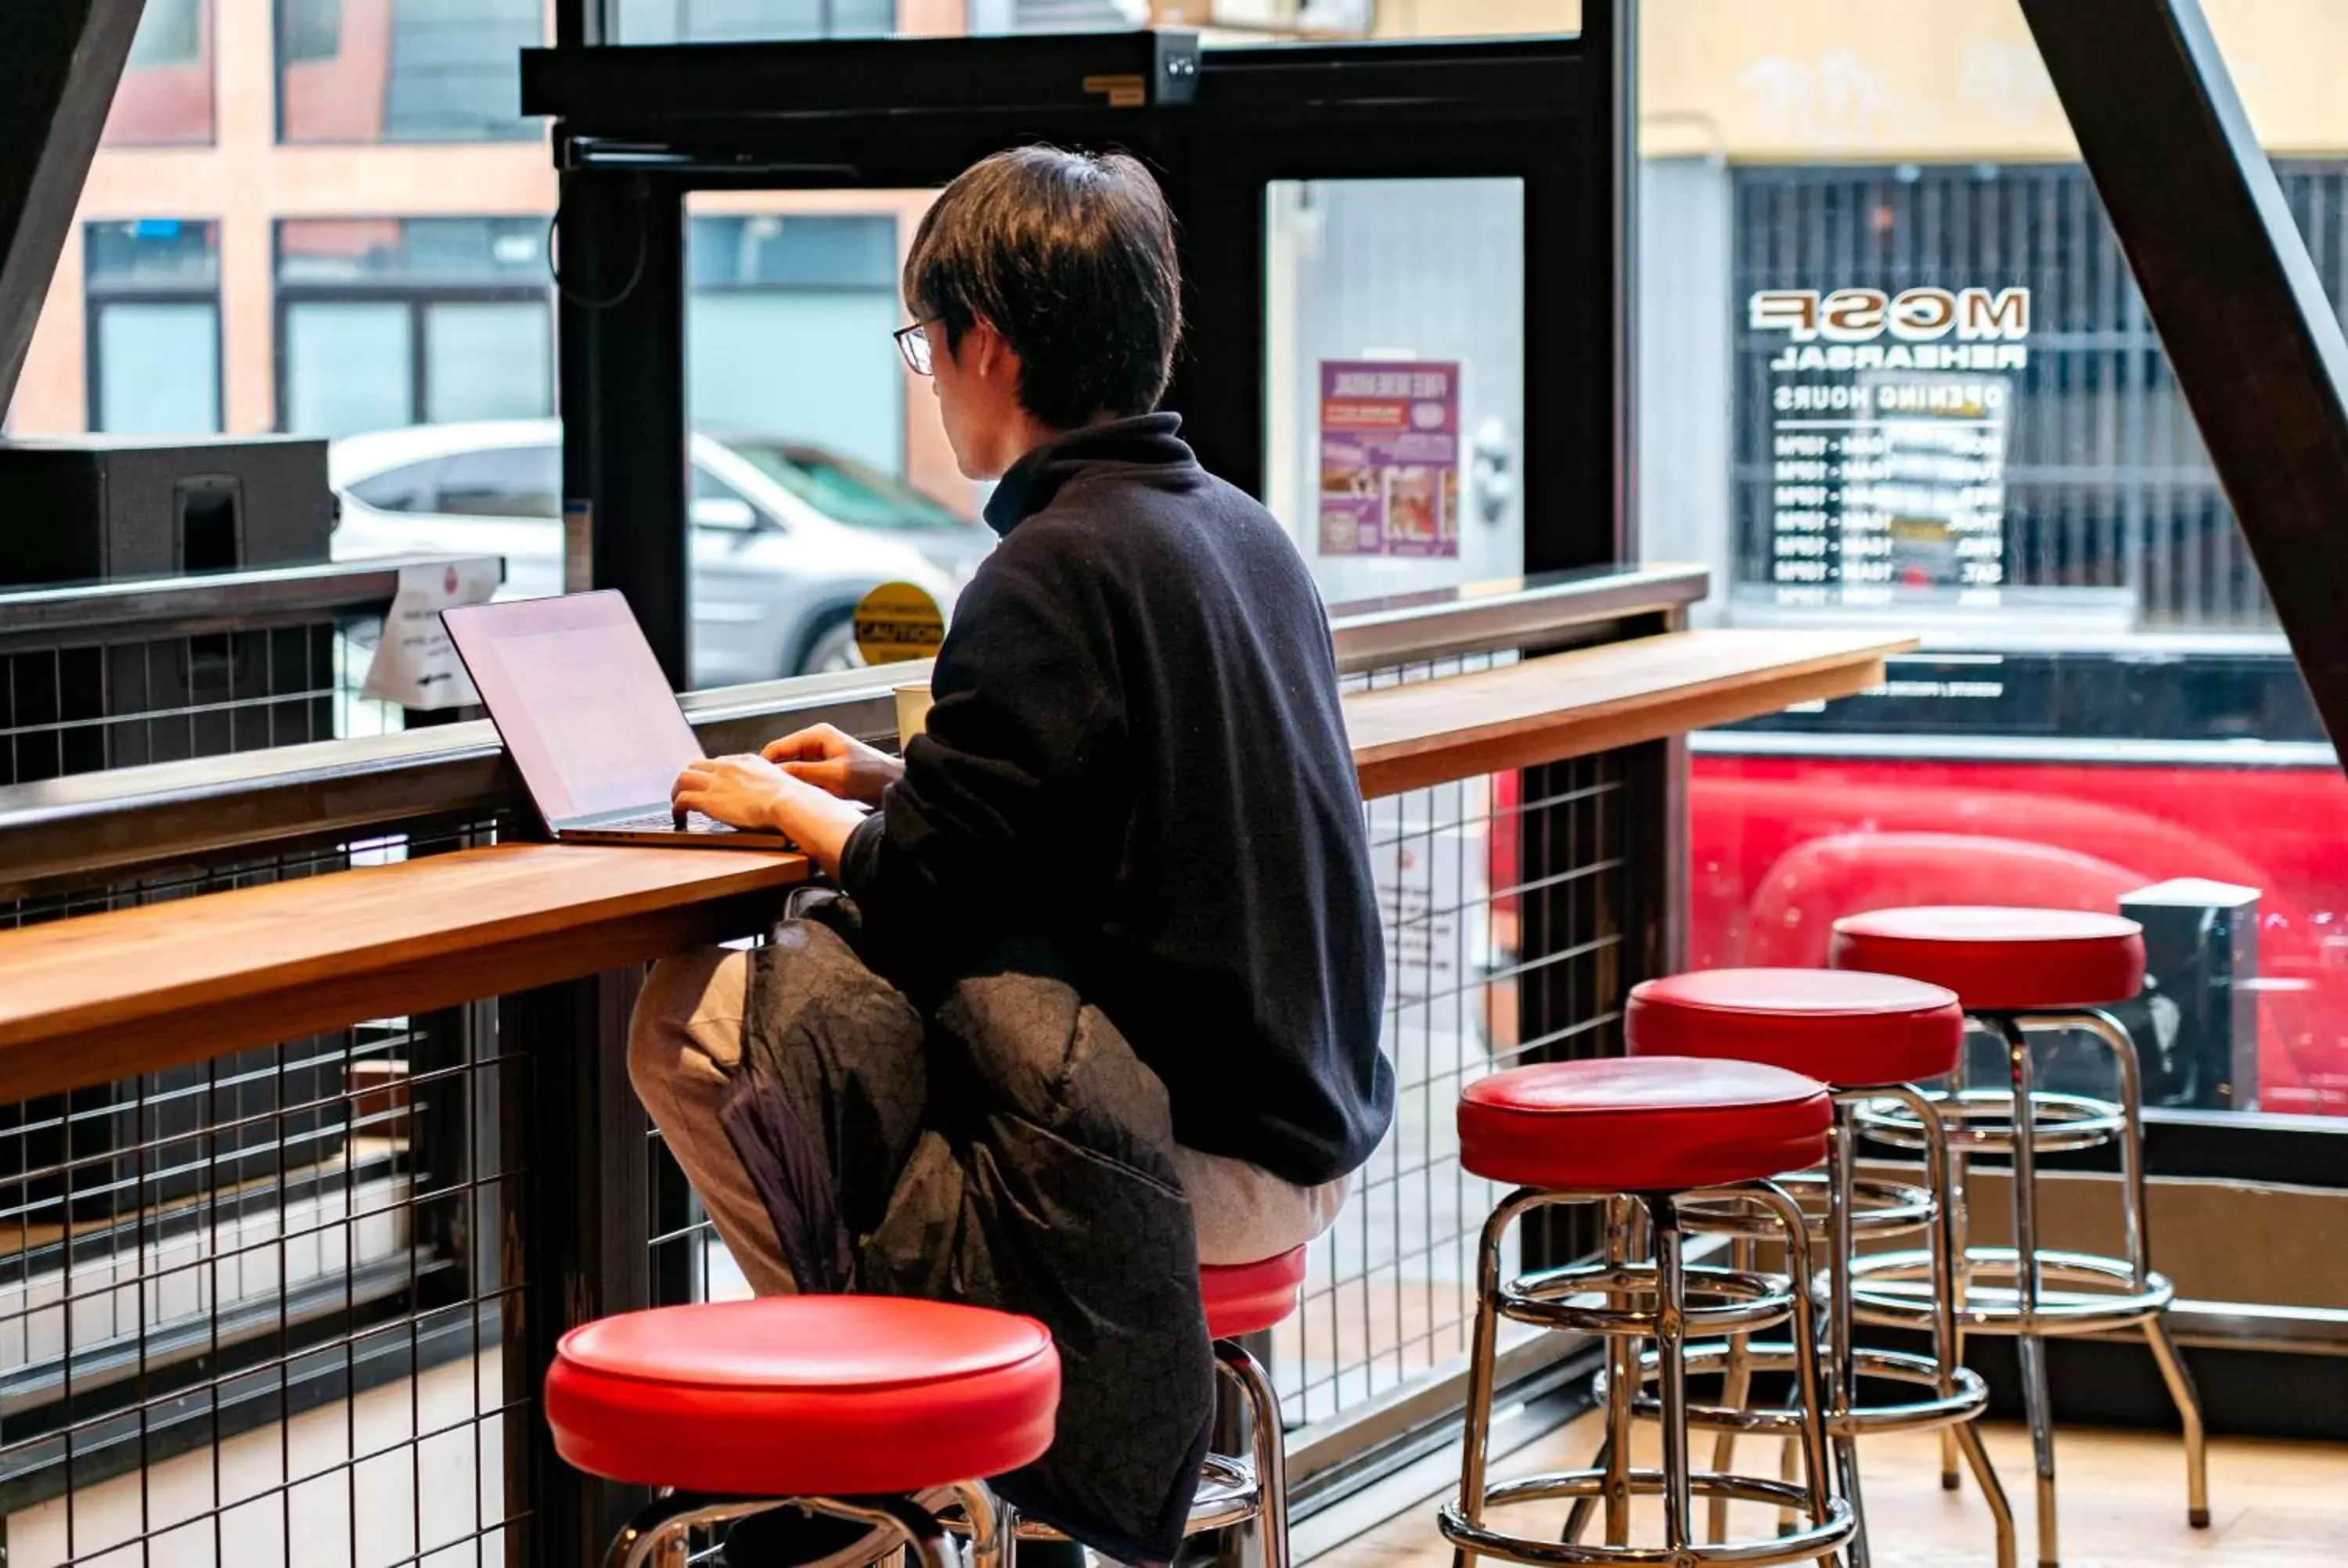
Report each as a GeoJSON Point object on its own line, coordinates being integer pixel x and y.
{"type": "Point", "coordinates": [416, 665]}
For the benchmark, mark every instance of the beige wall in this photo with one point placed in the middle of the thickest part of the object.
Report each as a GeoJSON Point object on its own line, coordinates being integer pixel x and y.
{"type": "Point", "coordinates": [1810, 80]}
{"type": "Point", "coordinates": [1473, 18]}
{"type": "Point", "coordinates": [1916, 79]}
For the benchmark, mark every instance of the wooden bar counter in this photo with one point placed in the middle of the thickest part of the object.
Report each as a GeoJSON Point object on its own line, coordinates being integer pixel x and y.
{"type": "Point", "coordinates": [101, 997]}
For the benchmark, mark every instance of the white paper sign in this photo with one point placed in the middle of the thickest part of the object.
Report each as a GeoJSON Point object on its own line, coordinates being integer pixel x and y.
{"type": "Point", "coordinates": [416, 665]}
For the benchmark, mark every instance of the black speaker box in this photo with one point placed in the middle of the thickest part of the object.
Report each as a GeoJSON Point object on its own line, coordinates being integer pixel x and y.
{"type": "Point", "coordinates": [90, 508]}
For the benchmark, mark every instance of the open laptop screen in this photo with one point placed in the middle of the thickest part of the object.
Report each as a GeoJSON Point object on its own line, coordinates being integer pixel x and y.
{"type": "Point", "coordinates": [578, 700]}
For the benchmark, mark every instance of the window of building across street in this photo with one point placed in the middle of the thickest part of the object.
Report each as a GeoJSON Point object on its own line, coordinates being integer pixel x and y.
{"type": "Point", "coordinates": [165, 94]}
{"type": "Point", "coordinates": [403, 70]}
{"type": "Point", "coordinates": [391, 322]}
{"type": "Point", "coordinates": [152, 365]}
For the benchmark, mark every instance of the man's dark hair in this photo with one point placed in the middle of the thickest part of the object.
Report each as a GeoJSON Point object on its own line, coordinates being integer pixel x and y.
{"type": "Point", "coordinates": [1070, 255]}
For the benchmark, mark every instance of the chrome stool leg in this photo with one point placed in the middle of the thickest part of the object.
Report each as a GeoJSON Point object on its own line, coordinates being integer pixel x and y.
{"type": "Point", "coordinates": [1613, 1454]}
{"type": "Point", "coordinates": [2032, 1345]}
{"type": "Point", "coordinates": [992, 1525]}
{"type": "Point", "coordinates": [1943, 1173]}
{"type": "Point", "coordinates": [2138, 1210]}
{"type": "Point", "coordinates": [1842, 1372]}
{"type": "Point", "coordinates": [1623, 1355]}
{"type": "Point", "coordinates": [1671, 1343]}
{"type": "Point", "coordinates": [1271, 1453]}
{"type": "Point", "coordinates": [1737, 1388]}
{"type": "Point", "coordinates": [1790, 1469]}
{"type": "Point", "coordinates": [1949, 1170]}
{"type": "Point", "coordinates": [1482, 1355]}
{"type": "Point", "coordinates": [2188, 1400]}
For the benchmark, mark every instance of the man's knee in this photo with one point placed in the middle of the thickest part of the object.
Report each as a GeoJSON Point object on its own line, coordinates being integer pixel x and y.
{"type": "Point", "coordinates": [685, 1034]}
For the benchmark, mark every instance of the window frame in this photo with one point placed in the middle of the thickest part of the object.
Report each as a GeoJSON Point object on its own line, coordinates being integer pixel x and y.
{"type": "Point", "coordinates": [418, 299]}
{"type": "Point", "coordinates": [280, 135]}
{"type": "Point", "coordinates": [97, 295]}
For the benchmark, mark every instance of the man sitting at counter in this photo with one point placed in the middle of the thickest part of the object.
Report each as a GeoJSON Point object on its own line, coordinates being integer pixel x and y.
{"type": "Point", "coordinates": [1135, 754]}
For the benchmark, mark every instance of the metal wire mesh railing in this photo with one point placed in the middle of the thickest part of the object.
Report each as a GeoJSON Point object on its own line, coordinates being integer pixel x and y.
{"type": "Point", "coordinates": [252, 1310]}
{"type": "Point", "coordinates": [1390, 1290]}
{"type": "Point", "coordinates": [123, 703]}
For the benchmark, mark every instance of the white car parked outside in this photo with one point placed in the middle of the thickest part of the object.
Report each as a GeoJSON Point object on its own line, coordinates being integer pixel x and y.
{"type": "Point", "coordinates": [774, 580]}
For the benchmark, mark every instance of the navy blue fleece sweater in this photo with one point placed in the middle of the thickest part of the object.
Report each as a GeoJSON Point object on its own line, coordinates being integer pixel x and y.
{"type": "Point", "coordinates": [1135, 752]}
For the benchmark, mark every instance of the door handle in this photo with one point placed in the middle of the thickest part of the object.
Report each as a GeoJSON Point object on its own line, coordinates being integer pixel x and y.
{"type": "Point", "coordinates": [1492, 479]}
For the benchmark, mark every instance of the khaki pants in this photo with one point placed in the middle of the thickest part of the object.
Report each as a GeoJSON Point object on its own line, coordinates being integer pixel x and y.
{"type": "Point", "coordinates": [686, 1038]}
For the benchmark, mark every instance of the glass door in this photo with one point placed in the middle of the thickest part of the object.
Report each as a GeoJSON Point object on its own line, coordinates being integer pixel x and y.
{"type": "Point", "coordinates": [1394, 362]}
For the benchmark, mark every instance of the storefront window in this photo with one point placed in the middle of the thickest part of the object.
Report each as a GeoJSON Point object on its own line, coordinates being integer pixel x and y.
{"type": "Point", "coordinates": [403, 70]}
{"type": "Point", "coordinates": [165, 98]}
{"type": "Point", "coordinates": [1896, 374]}
{"type": "Point", "coordinates": [786, 314]}
{"type": "Point", "coordinates": [1394, 363]}
{"type": "Point", "coordinates": [390, 321]}
{"type": "Point", "coordinates": [152, 308]}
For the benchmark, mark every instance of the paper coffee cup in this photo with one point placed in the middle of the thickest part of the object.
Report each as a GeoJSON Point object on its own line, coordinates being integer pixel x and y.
{"type": "Point", "coordinates": [913, 710]}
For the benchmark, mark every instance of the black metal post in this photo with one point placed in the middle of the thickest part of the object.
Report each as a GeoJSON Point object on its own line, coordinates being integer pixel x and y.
{"type": "Point", "coordinates": [575, 1230]}
{"type": "Point", "coordinates": [581, 23]}
{"type": "Point", "coordinates": [620, 321]}
{"type": "Point", "coordinates": [1582, 511]}
{"type": "Point", "coordinates": [58, 71]}
{"type": "Point", "coordinates": [2228, 281]}
{"type": "Point", "coordinates": [1580, 507]}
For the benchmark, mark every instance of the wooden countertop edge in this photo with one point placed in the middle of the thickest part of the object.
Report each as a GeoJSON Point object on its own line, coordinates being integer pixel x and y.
{"type": "Point", "coordinates": [148, 1030]}
{"type": "Point", "coordinates": [1626, 724]}
{"type": "Point", "coordinates": [400, 967]}
{"type": "Point", "coordinates": [1392, 768]}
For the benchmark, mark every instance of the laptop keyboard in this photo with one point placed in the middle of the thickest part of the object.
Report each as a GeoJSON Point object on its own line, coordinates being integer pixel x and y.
{"type": "Point", "coordinates": [663, 822]}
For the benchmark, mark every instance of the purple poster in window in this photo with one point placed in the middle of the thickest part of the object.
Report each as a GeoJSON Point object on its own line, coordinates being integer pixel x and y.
{"type": "Point", "coordinates": [1389, 457]}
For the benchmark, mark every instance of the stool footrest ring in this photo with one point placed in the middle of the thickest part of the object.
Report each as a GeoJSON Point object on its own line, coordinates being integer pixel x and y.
{"type": "Point", "coordinates": [1981, 1122]}
{"type": "Point", "coordinates": [1884, 1208]}
{"type": "Point", "coordinates": [1720, 1300]}
{"type": "Point", "coordinates": [1966, 1400]}
{"type": "Point", "coordinates": [1815, 1539]}
{"type": "Point", "coordinates": [1227, 1494]}
{"type": "Point", "coordinates": [1892, 1289]}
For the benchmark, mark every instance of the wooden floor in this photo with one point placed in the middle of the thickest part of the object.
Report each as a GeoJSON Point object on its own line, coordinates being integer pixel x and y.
{"type": "Point", "coordinates": [2272, 1504]}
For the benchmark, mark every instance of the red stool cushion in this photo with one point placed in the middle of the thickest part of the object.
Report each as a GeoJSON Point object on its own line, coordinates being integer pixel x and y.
{"type": "Point", "coordinates": [1250, 1297]}
{"type": "Point", "coordinates": [2001, 960]}
{"type": "Point", "coordinates": [1848, 1029]}
{"type": "Point", "coordinates": [1645, 1124]}
{"type": "Point", "coordinates": [802, 1395]}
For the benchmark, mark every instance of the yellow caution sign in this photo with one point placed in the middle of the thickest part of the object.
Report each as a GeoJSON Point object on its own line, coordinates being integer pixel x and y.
{"type": "Point", "coordinates": [898, 621]}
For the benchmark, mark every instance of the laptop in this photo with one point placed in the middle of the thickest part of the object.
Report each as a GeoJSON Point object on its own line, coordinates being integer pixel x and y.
{"type": "Point", "coordinates": [588, 717]}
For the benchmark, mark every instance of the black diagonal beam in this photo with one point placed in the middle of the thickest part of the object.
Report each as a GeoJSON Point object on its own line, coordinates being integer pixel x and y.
{"type": "Point", "coordinates": [2232, 290]}
{"type": "Point", "coordinates": [60, 61]}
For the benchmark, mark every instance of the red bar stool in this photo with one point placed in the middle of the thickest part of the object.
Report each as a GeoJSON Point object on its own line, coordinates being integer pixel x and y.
{"type": "Point", "coordinates": [1872, 1037]}
{"type": "Point", "coordinates": [1243, 1299]}
{"type": "Point", "coordinates": [1234, 1489]}
{"type": "Point", "coordinates": [846, 1404]}
{"type": "Point", "coordinates": [2015, 970]}
{"type": "Point", "coordinates": [1636, 1135]}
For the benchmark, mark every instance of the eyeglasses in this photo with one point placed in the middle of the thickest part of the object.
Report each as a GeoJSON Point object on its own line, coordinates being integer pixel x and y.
{"type": "Point", "coordinates": [913, 342]}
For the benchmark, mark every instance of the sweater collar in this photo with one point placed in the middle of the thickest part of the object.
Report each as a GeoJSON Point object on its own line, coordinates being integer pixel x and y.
{"type": "Point", "coordinates": [1147, 441]}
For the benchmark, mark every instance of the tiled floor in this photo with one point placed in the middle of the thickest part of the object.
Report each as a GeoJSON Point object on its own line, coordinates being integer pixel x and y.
{"type": "Point", "coordinates": [2273, 1504]}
